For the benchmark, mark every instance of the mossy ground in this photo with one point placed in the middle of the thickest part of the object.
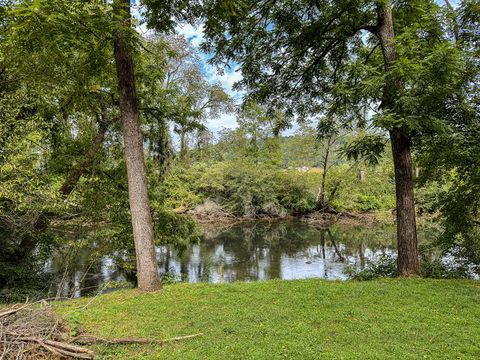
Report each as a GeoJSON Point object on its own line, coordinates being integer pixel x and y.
{"type": "Point", "coordinates": [307, 319]}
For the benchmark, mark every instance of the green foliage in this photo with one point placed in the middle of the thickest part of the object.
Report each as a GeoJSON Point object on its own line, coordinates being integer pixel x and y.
{"type": "Point", "coordinates": [433, 267]}
{"type": "Point", "coordinates": [453, 158]}
{"type": "Point", "coordinates": [178, 188]}
{"type": "Point", "coordinates": [376, 192]}
{"type": "Point", "coordinates": [438, 269]}
{"type": "Point", "coordinates": [367, 147]}
{"type": "Point", "coordinates": [249, 189]}
{"type": "Point", "coordinates": [384, 267]}
{"type": "Point", "coordinates": [174, 229]}
{"type": "Point", "coordinates": [24, 280]}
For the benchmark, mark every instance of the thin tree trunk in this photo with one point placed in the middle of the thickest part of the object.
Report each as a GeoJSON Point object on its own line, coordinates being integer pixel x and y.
{"type": "Point", "coordinates": [147, 270]}
{"type": "Point", "coordinates": [87, 161]}
{"type": "Point", "coordinates": [164, 153]}
{"type": "Point", "coordinates": [321, 195]}
{"type": "Point", "coordinates": [183, 143]}
{"type": "Point", "coordinates": [408, 263]}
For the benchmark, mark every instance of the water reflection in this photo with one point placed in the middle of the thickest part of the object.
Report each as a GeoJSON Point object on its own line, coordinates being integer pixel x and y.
{"type": "Point", "coordinates": [244, 252]}
{"type": "Point", "coordinates": [287, 250]}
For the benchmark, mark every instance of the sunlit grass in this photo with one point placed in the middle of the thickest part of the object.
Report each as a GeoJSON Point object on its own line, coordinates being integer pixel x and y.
{"type": "Point", "coordinates": [307, 319]}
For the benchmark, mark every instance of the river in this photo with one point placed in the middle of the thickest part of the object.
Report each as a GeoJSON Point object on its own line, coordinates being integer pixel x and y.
{"type": "Point", "coordinates": [249, 251]}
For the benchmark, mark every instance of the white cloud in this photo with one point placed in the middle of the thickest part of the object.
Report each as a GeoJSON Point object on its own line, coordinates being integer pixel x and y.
{"type": "Point", "coordinates": [192, 33]}
{"type": "Point", "coordinates": [223, 121]}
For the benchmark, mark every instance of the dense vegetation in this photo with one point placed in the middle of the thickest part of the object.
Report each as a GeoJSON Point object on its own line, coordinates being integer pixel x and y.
{"type": "Point", "coordinates": [346, 111]}
{"type": "Point", "coordinates": [91, 113]}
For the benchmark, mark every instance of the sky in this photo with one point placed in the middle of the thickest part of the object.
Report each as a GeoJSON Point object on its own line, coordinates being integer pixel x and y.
{"type": "Point", "coordinates": [227, 78]}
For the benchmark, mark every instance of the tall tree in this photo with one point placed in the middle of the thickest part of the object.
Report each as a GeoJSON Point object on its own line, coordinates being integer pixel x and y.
{"type": "Point", "coordinates": [453, 157]}
{"type": "Point", "coordinates": [147, 270]}
{"type": "Point", "coordinates": [311, 58]}
{"type": "Point", "coordinates": [408, 256]}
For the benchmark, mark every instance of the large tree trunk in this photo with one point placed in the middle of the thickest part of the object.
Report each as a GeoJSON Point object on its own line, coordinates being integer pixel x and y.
{"type": "Point", "coordinates": [408, 262]}
{"type": "Point", "coordinates": [147, 270]}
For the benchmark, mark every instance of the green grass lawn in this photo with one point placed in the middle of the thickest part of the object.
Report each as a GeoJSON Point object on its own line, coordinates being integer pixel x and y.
{"type": "Point", "coordinates": [307, 319]}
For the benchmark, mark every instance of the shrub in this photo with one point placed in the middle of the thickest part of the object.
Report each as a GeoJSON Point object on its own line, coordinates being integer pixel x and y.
{"type": "Point", "coordinates": [385, 266]}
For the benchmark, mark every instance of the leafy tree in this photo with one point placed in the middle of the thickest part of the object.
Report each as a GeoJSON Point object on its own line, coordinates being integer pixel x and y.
{"type": "Point", "coordinates": [178, 96]}
{"type": "Point", "coordinates": [452, 158]}
{"type": "Point", "coordinates": [143, 235]}
{"type": "Point", "coordinates": [311, 57]}
{"type": "Point", "coordinates": [53, 99]}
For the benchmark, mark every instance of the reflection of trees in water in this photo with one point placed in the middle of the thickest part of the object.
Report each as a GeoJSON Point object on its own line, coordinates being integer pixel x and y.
{"type": "Point", "coordinates": [246, 251]}
{"type": "Point", "coordinates": [81, 271]}
{"type": "Point", "coordinates": [255, 250]}
{"type": "Point", "coordinates": [260, 246]}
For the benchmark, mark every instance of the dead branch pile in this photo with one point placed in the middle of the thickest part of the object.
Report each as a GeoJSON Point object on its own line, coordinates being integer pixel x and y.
{"type": "Point", "coordinates": [32, 331]}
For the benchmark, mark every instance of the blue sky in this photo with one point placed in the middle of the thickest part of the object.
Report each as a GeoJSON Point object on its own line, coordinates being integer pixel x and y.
{"type": "Point", "coordinates": [226, 78]}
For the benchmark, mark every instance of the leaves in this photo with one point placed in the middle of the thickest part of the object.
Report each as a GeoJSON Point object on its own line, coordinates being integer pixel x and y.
{"type": "Point", "coordinates": [368, 147]}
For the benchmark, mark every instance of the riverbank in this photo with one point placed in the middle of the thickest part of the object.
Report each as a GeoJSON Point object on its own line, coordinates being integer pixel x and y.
{"type": "Point", "coordinates": [323, 219]}
{"type": "Point", "coordinates": [306, 319]}
{"type": "Point", "coordinates": [211, 212]}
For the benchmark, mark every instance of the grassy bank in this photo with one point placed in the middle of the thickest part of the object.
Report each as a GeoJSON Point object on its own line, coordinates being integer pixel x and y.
{"type": "Point", "coordinates": [308, 319]}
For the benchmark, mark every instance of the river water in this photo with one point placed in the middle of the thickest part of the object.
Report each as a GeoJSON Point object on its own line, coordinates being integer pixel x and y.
{"type": "Point", "coordinates": [244, 252]}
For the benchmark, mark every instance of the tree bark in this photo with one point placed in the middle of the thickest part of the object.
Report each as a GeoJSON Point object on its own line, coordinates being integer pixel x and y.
{"type": "Point", "coordinates": [87, 162]}
{"type": "Point", "coordinates": [408, 262]}
{"type": "Point", "coordinates": [147, 270]}
{"type": "Point", "coordinates": [321, 195]}
{"type": "Point", "coordinates": [183, 143]}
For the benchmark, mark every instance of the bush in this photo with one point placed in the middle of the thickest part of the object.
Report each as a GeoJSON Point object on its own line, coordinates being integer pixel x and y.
{"type": "Point", "coordinates": [385, 266]}
{"type": "Point", "coordinates": [249, 189]}
{"type": "Point", "coordinates": [376, 192]}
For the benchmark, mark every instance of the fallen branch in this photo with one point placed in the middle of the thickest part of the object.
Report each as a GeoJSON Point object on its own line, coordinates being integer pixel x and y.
{"type": "Point", "coordinates": [64, 349]}
{"type": "Point", "coordinates": [13, 310]}
{"type": "Point", "coordinates": [55, 347]}
{"type": "Point", "coordinates": [33, 331]}
{"type": "Point", "coordinates": [90, 339]}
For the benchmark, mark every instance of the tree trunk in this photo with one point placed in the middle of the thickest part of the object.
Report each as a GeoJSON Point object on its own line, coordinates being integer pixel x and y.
{"type": "Point", "coordinates": [183, 143]}
{"type": "Point", "coordinates": [147, 270]}
{"type": "Point", "coordinates": [164, 153]}
{"type": "Point", "coordinates": [408, 262]}
{"type": "Point", "coordinates": [88, 159]}
{"type": "Point", "coordinates": [361, 175]}
{"type": "Point", "coordinates": [321, 195]}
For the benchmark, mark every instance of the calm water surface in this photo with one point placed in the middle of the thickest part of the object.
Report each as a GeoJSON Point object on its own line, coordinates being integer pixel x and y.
{"type": "Point", "coordinates": [245, 252]}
